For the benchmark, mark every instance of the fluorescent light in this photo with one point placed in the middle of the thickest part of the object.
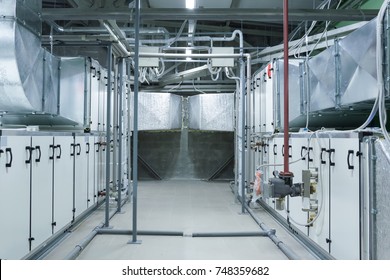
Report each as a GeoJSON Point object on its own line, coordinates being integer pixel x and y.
{"type": "Point", "coordinates": [190, 4]}
{"type": "Point", "coordinates": [188, 51]}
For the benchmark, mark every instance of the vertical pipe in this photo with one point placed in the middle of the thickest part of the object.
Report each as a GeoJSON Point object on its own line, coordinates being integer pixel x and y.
{"type": "Point", "coordinates": [135, 134]}
{"type": "Point", "coordinates": [286, 97]}
{"type": "Point", "coordinates": [120, 123]}
{"type": "Point", "coordinates": [108, 135]}
{"type": "Point", "coordinates": [115, 128]}
{"type": "Point", "coordinates": [248, 131]}
{"type": "Point", "coordinates": [129, 126]}
{"type": "Point", "coordinates": [242, 115]}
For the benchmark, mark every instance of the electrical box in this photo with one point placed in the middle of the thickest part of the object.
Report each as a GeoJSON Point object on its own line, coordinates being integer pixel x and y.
{"type": "Point", "coordinates": [148, 61]}
{"type": "Point", "coordinates": [222, 62]}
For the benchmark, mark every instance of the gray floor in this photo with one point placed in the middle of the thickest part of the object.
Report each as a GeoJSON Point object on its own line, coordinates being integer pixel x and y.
{"type": "Point", "coordinates": [189, 206]}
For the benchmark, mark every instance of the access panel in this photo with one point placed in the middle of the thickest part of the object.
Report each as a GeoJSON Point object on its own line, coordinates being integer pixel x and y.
{"type": "Point", "coordinates": [15, 196]}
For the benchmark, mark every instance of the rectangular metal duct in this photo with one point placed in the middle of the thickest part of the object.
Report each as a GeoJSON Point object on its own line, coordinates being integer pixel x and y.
{"type": "Point", "coordinates": [157, 111]}
{"type": "Point", "coordinates": [358, 75]}
{"type": "Point", "coordinates": [21, 69]}
{"type": "Point", "coordinates": [75, 75]}
{"type": "Point", "coordinates": [322, 81]}
{"type": "Point", "coordinates": [295, 97]}
{"type": "Point", "coordinates": [212, 112]}
{"type": "Point", "coordinates": [345, 74]}
{"type": "Point", "coordinates": [28, 73]}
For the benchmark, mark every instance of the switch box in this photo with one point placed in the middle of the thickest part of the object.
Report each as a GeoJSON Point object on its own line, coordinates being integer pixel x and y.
{"type": "Point", "coordinates": [148, 61]}
{"type": "Point", "coordinates": [222, 62]}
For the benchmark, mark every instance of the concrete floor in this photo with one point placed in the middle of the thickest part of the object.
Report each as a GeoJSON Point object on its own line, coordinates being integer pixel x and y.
{"type": "Point", "coordinates": [189, 206]}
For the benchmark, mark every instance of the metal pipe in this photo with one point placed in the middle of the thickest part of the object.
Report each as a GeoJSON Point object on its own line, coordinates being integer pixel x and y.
{"type": "Point", "coordinates": [115, 130]}
{"type": "Point", "coordinates": [108, 134]}
{"type": "Point", "coordinates": [236, 110]}
{"type": "Point", "coordinates": [129, 143]}
{"type": "Point", "coordinates": [135, 128]}
{"type": "Point", "coordinates": [230, 234]}
{"type": "Point", "coordinates": [200, 39]}
{"type": "Point", "coordinates": [242, 115]}
{"type": "Point", "coordinates": [286, 86]}
{"type": "Point", "coordinates": [272, 235]}
{"type": "Point", "coordinates": [120, 123]}
{"type": "Point", "coordinates": [144, 31]}
{"type": "Point", "coordinates": [140, 232]}
{"type": "Point", "coordinates": [84, 243]}
{"type": "Point", "coordinates": [248, 132]}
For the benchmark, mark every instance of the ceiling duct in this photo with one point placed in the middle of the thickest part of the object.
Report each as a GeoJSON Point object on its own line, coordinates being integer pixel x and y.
{"type": "Point", "coordinates": [21, 56]}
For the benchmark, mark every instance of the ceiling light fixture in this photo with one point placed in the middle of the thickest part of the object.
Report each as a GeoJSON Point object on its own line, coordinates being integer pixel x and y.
{"type": "Point", "coordinates": [190, 4]}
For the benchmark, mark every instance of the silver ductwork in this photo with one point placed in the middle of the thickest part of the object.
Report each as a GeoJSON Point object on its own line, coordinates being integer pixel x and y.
{"type": "Point", "coordinates": [345, 74]}
{"type": "Point", "coordinates": [213, 112]}
{"type": "Point", "coordinates": [337, 86]}
{"type": "Point", "coordinates": [37, 88]}
{"type": "Point", "coordinates": [22, 58]}
{"type": "Point", "coordinates": [158, 111]}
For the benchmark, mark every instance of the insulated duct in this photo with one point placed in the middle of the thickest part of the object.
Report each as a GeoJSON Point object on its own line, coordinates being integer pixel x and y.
{"type": "Point", "coordinates": [345, 74]}
{"type": "Point", "coordinates": [37, 88]}
{"type": "Point", "coordinates": [21, 56]}
{"type": "Point", "coordinates": [211, 112]}
{"type": "Point", "coordinates": [158, 111]}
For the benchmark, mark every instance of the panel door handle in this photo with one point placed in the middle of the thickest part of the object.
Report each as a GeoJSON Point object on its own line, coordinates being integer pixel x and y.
{"type": "Point", "coordinates": [308, 154]}
{"type": "Point", "coordinates": [38, 148]}
{"type": "Point", "coordinates": [59, 147]}
{"type": "Point", "coordinates": [9, 151]}
{"type": "Point", "coordinates": [258, 82]}
{"type": "Point", "coordinates": [331, 151]}
{"type": "Point", "coordinates": [98, 146]}
{"type": "Point", "coordinates": [88, 148]}
{"type": "Point", "coordinates": [73, 149]}
{"type": "Point", "coordinates": [274, 149]}
{"type": "Point", "coordinates": [322, 152]}
{"type": "Point", "coordinates": [79, 150]}
{"type": "Point", "coordinates": [53, 148]}
{"type": "Point", "coordinates": [350, 153]}
{"type": "Point", "coordinates": [303, 148]}
{"type": "Point", "coordinates": [30, 150]}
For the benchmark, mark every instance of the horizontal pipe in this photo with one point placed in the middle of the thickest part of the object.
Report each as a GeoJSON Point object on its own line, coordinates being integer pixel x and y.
{"type": "Point", "coordinates": [230, 234]}
{"type": "Point", "coordinates": [313, 247]}
{"type": "Point", "coordinates": [139, 232]}
{"type": "Point", "coordinates": [264, 15]}
{"type": "Point", "coordinates": [283, 247]}
{"type": "Point", "coordinates": [77, 250]}
{"type": "Point", "coordinates": [84, 243]}
{"type": "Point", "coordinates": [99, 30]}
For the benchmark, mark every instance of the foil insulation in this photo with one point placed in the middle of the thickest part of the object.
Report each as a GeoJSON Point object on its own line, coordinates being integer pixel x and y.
{"type": "Point", "coordinates": [212, 112]}
{"type": "Point", "coordinates": [382, 198]}
{"type": "Point", "coordinates": [157, 111]}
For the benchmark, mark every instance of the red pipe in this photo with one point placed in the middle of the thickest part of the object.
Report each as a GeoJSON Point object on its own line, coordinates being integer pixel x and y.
{"type": "Point", "coordinates": [286, 100]}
